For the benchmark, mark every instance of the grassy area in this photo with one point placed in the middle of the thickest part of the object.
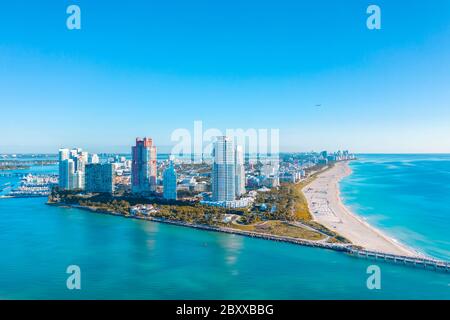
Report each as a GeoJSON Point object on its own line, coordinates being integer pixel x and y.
{"type": "Point", "coordinates": [281, 228]}
{"type": "Point", "coordinates": [301, 209]}
{"type": "Point", "coordinates": [185, 211]}
{"type": "Point", "coordinates": [244, 227]}
{"type": "Point", "coordinates": [334, 237]}
{"type": "Point", "coordinates": [288, 200]}
{"type": "Point", "coordinates": [286, 203]}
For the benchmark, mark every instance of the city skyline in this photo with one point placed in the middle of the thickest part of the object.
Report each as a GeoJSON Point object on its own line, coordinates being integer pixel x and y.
{"type": "Point", "coordinates": [312, 70]}
{"type": "Point", "coordinates": [225, 156]}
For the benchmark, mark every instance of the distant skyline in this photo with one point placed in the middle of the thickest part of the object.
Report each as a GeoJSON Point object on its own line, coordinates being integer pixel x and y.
{"type": "Point", "coordinates": [309, 68]}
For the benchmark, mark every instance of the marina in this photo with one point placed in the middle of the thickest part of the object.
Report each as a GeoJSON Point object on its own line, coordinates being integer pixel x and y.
{"type": "Point", "coordinates": [30, 186]}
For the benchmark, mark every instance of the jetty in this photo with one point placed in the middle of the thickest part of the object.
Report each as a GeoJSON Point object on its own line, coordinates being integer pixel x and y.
{"type": "Point", "coordinates": [421, 262]}
{"type": "Point", "coordinates": [348, 248]}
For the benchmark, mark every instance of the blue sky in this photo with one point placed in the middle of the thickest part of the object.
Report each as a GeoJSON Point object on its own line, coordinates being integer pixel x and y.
{"type": "Point", "coordinates": [149, 67]}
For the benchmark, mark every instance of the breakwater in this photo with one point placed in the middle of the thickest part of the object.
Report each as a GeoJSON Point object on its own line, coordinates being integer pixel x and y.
{"type": "Point", "coordinates": [422, 262]}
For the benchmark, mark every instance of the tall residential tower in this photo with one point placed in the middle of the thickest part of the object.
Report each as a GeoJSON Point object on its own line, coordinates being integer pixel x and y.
{"type": "Point", "coordinates": [224, 170]}
{"type": "Point", "coordinates": [170, 183]}
{"type": "Point", "coordinates": [72, 168]}
{"type": "Point", "coordinates": [143, 166]}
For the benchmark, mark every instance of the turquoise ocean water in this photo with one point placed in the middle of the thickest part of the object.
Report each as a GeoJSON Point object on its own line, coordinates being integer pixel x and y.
{"type": "Point", "coordinates": [407, 196]}
{"type": "Point", "coordinates": [124, 258]}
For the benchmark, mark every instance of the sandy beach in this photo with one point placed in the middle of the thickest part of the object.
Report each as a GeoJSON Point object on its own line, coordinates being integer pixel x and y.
{"type": "Point", "coordinates": [327, 208]}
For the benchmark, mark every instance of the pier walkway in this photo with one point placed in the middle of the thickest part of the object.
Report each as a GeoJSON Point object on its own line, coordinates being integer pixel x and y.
{"type": "Point", "coordinates": [427, 263]}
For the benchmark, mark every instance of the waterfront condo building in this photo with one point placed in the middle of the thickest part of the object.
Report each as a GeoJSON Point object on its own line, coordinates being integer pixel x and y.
{"type": "Point", "coordinates": [71, 168]}
{"type": "Point", "coordinates": [63, 168]}
{"type": "Point", "coordinates": [170, 183]}
{"type": "Point", "coordinates": [223, 177]}
{"type": "Point", "coordinates": [66, 174]}
{"type": "Point", "coordinates": [99, 178]}
{"type": "Point", "coordinates": [143, 166]}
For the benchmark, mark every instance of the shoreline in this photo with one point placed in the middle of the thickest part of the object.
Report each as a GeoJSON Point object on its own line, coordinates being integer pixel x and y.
{"type": "Point", "coordinates": [326, 206]}
{"type": "Point", "coordinates": [304, 242]}
{"type": "Point", "coordinates": [349, 249]}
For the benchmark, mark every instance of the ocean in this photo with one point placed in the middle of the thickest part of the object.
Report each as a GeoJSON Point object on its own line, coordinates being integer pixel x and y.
{"type": "Point", "coordinates": [406, 196]}
{"type": "Point", "coordinates": [129, 259]}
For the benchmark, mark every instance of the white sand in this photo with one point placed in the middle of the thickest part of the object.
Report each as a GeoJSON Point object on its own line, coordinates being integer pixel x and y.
{"type": "Point", "coordinates": [327, 208]}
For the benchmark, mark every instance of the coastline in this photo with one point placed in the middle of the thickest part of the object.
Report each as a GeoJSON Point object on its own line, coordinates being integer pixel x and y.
{"type": "Point", "coordinates": [266, 236]}
{"type": "Point", "coordinates": [326, 207]}
{"type": "Point", "coordinates": [350, 249]}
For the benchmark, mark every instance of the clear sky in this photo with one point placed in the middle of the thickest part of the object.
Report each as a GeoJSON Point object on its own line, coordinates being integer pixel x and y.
{"type": "Point", "coordinates": [149, 67]}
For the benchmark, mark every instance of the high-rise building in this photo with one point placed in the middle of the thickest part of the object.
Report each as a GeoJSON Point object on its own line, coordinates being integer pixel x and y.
{"type": "Point", "coordinates": [170, 182]}
{"type": "Point", "coordinates": [143, 166]}
{"type": "Point", "coordinates": [99, 178]}
{"type": "Point", "coordinates": [66, 174]}
{"type": "Point", "coordinates": [224, 170]}
{"type": "Point", "coordinates": [240, 171]}
{"type": "Point", "coordinates": [63, 168]}
{"type": "Point", "coordinates": [71, 168]}
{"type": "Point", "coordinates": [78, 181]}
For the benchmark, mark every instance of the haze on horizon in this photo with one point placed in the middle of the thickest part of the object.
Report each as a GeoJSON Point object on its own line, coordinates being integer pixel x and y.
{"type": "Point", "coordinates": [308, 68]}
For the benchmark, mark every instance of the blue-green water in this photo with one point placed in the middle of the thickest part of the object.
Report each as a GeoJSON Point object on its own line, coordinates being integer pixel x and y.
{"type": "Point", "coordinates": [130, 259]}
{"type": "Point", "coordinates": [407, 196]}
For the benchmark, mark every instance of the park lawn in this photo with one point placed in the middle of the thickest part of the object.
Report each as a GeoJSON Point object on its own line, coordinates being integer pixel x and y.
{"type": "Point", "coordinates": [280, 228]}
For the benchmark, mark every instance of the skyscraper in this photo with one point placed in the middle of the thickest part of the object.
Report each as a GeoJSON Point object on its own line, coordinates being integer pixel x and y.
{"type": "Point", "coordinates": [170, 182]}
{"type": "Point", "coordinates": [100, 178]}
{"type": "Point", "coordinates": [71, 168]}
{"type": "Point", "coordinates": [66, 174]}
{"type": "Point", "coordinates": [240, 171]}
{"type": "Point", "coordinates": [63, 168]}
{"type": "Point", "coordinates": [143, 166]}
{"type": "Point", "coordinates": [224, 170]}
